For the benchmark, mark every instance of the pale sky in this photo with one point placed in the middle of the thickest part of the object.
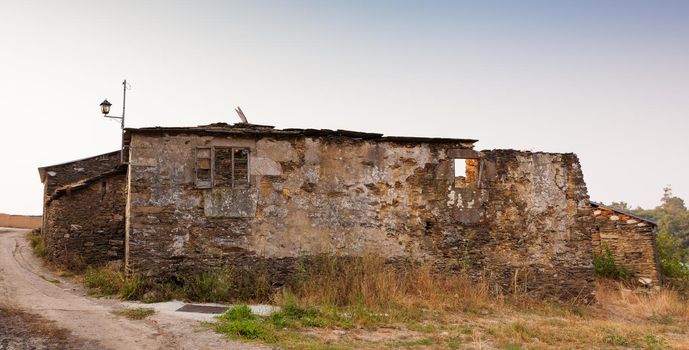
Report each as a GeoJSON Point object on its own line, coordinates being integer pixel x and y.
{"type": "Point", "coordinates": [607, 80]}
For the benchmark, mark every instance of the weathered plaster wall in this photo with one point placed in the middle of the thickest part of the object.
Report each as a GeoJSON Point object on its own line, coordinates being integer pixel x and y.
{"type": "Point", "coordinates": [526, 212]}
{"type": "Point", "coordinates": [85, 225]}
{"type": "Point", "coordinates": [631, 241]}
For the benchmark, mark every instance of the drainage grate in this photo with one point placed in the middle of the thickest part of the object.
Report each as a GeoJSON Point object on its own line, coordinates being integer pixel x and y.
{"type": "Point", "coordinates": [204, 309]}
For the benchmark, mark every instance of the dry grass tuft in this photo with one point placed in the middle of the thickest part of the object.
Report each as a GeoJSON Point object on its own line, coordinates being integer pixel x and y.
{"type": "Point", "coordinates": [664, 305]}
{"type": "Point", "coordinates": [370, 282]}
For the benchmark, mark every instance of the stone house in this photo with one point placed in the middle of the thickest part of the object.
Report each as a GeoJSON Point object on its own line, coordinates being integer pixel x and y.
{"type": "Point", "coordinates": [209, 196]}
{"type": "Point", "coordinates": [83, 211]}
{"type": "Point", "coordinates": [198, 198]}
{"type": "Point", "coordinates": [630, 238]}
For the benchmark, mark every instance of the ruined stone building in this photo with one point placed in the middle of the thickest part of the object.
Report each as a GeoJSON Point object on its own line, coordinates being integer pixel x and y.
{"type": "Point", "coordinates": [630, 238]}
{"type": "Point", "coordinates": [83, 211]}
{"type": "Point", "coordinates": [205, 197]}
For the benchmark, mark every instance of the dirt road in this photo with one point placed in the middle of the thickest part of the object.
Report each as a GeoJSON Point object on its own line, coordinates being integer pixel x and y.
{"type": "Point", "coordinates": [31, 295]}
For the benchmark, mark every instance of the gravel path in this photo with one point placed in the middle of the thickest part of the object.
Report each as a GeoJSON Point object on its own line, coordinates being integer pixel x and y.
{"type": "Point", "coordinates": [33, 300]}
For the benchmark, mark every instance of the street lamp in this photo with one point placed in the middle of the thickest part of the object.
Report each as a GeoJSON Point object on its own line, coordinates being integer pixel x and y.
{"type": "Point", "coordinates": [105, 109]}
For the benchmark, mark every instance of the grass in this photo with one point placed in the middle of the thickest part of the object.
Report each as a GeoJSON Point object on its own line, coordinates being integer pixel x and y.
{"type": "Point", "coordinates": [364, 303]}
{"type": "Point", "coordinates": [374, 306]}
{"type": "Point", "coordinates": [37, 244]}
{"type": "Point", "coordinates": [138, 313]}
{"type": "Point", "coordinates": [104, 280]}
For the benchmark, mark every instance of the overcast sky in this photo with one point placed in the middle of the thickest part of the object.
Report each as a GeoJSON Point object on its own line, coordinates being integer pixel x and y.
{"type": "Point", "coordinates": [607, 80]}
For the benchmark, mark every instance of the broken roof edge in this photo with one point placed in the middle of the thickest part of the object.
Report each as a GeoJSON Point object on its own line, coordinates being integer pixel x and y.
{"type": "Point", "coordinates": [623, 212]}
{"type": "Point", "coordinates": [42, 170]}
{"type": "Point", "coordinates": [75, 186]}
{"type": "Point", "coordinates": [255, 130]}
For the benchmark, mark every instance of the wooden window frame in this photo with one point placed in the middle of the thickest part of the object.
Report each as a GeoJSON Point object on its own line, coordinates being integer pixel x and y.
{"type": "Point", "coordinates": [203, 183]}
{"type": "Point", "coordinates": [211, 182]}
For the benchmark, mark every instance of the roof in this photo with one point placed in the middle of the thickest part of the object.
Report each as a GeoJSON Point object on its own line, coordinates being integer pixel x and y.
{"type": "Point", "coordinates": [254, 130]}
{"type": "Point", "coordinates": [59, 192]}
{"type": "Point", "coordinates": [624, 212]}
{"type": "Point", "coordinates": [42, 170]}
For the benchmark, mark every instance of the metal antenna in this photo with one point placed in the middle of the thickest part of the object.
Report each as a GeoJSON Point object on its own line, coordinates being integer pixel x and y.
{"type": "Point", "coordinates": [241, 115]}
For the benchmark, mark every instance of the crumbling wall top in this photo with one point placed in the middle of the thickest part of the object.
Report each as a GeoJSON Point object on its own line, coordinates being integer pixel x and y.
{"type": "Point", "coordinates": [253, 130]}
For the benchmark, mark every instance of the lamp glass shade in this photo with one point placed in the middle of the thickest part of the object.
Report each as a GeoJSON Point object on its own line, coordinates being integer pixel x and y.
{"type": "Point", "coordinates": [105, 107]}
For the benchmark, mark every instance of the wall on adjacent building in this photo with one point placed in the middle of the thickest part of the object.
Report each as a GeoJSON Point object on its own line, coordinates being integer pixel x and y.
{"type": "Point", "coordinates": [85, 225]}
{"type": "Point", "coordinates": [631, 241]}
{"type": "Point", "coordinates": [64, 174]}
{"type": "Point", "coordinates": [519, 216]}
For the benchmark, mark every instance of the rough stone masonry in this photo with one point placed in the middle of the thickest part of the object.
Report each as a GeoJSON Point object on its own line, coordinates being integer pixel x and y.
{"type": "Point", "coordinates": [217, 195]}
{"type": "Point", "coordinates": [631, 240]}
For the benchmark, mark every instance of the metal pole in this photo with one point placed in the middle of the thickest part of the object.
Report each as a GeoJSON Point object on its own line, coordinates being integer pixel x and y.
{"type": "Point", "coordinates": [124, 100]}
{"type": "Point", "coordinates": [124, 104]}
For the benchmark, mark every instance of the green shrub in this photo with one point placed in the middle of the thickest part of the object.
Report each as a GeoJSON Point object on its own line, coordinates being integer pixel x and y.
{"type": "Point", "coordinates": [293, 315]}
{"type": "Point", "coordinates": [604, 265]}
{"type": "Point", "coordinates": [240, 322]}
{"type": "Point", "coordinates": [238, 313]}
{"type": "Point", "coordinates": [673, 259]}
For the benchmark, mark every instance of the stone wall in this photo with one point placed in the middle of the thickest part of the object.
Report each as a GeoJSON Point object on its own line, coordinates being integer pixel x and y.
{"type": "Point", "coordinates": [518, 216]}
{"type": "Point", "coordinates": [631, 241]}
{"type": "Point", "coordinates": [534, 227]}
{"type": "Point", "coordinates": [85, 221]}
{"type": "Point", "coordinates": [63, 174]}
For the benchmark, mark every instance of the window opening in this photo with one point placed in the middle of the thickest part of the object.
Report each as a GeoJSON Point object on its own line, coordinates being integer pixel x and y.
{"type": "Point", "coordinates": [466, 171]}
{"type": "Point", "coordinates": [203, 168]}
{"type": "Point", "coordinates": [230, 167]}
{"type": "Point", "coordinates": [240, 168]}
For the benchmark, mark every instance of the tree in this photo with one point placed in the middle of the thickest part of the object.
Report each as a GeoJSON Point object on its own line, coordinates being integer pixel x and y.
{"type": "Point", "coordinates": [621, 206]}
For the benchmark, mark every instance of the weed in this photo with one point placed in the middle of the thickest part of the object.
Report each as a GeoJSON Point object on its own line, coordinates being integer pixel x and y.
{"type": "Point", "coordinates": [207, 287]}
{"type": "Point", "coordinates": [37, 243]}
{"type": "Point", "coordinates": [292, 315]}
{"type": "Point", "coordinates": [615, 339]}
{"type": "Point", "coordinates": [131, 288]}
{"type": "Point", "coordinates": [521, 330]}
{"type": "Point", "coordinates": [654, 343]}
{"type": "Point", "coordinates": [238, 313]}
{"type": "Point", "coordinates": [605, 266]}
{"type": "Point", "coordinates": [240, 322]}
{"type": "Point", "coordinates": [138, 313]}
{"type": "Point", "coordinates": [103, 281]}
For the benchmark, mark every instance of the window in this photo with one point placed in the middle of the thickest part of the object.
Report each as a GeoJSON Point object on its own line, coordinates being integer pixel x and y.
{"type": "Point", "coordinates": [467, 166]}
{"type": "Point", "coordinates": [466, 171]}
{"type": "Point", "coordinates": [222, 167]}
{"type": "Point", "coordinates": [203, 168]}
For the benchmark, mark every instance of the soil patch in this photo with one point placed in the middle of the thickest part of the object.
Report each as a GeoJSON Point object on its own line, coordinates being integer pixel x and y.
{"type": "Point", "coordinates": [20, 330]}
